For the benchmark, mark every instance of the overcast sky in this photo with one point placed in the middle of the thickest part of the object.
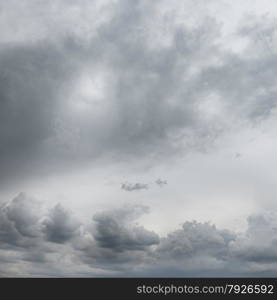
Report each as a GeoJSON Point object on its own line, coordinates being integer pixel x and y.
{"type": "Point", "coordinates": [138, 138]}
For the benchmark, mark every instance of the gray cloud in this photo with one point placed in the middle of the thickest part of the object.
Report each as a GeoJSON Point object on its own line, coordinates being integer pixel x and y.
{"type": "Point", "coordinates": [259, 242]}
{"type": "Point", "coordinates": [129, 187]}
{"type": "Point", "coordinates": [124, 82]}
{"type": "Point", "coordinates": [112, 231]}
{"type": "Point", "coordinates": [60, 226]}
{"type": "Point", "coordinates": [35, 241]}
{"type": "Point", "coordinates": [118, 243]}
{"type": "Point", "coordinates": [195, 238]}
{"type": "Point", "coordinates": [161, 182]}
{"type": "Point", "coordinates": [32, 79]}
{"type": "Point", "coordinates": [19, 220]}
{"type": "Point", "coordinates": [152, 98]}
{"type": "Point", "coordinates": [133, 186]}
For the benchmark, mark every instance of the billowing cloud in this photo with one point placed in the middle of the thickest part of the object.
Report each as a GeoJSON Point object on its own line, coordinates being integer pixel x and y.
{"type": "Point", "coordinates": [19, 220]}
{"type": "Point", "coordinates": [114, 243]}
{"type": "Point", "coordinates": [112, 231]}
{"type": "Point", "coordinates": [195, 238]}
{"type": "Point", "coordinates": [258, 244]}
{"type": "Point", "coordinates": [60, 225]}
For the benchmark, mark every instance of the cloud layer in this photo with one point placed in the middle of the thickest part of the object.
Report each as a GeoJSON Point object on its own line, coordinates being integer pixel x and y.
{"type": "Point", "coordinates": [86, 86]}
{"type": "Point", "coordinates": [136, 84]}
{"type": "Point", "coordinates": [36, 241]}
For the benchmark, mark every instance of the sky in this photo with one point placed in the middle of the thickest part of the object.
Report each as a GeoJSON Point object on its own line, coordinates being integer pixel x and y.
{"type": "Point", "coordinates": [137, 138]}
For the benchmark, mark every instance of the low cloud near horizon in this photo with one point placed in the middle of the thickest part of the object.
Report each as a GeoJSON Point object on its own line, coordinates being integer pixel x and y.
{"type": "Point", "coordinates": [45, 240]}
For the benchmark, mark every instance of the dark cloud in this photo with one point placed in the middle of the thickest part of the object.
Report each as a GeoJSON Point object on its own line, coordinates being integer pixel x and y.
{"type": "Point", "coordinates": [35, 241]}
{"type": "Point", "coordinates": [117, 242]}
{"type": "Point", "coordinates": [133, 186]}
{"type": "Point", "coordinates": [161, 182]}
{"type": "Point", "coordinates": [19, 220]}
{"type": "Point", "coordinates": [31, 82]}
{"type": "Point", "coordinates": [129, 187]}
{"type": "Point", "coordinates": [154, 99]}
{"type": "Point", "coordinates": [60, 226]}
{"type": "Point", "coordinates": [113, 232]}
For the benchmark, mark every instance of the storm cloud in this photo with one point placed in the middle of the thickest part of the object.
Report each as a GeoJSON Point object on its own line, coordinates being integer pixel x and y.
{"type": "Point", "coordinates": [114, 243]}
{"type": "Point", "coordinates": [113, 232]}
{"type": "Point", "coordinates": [94, 92]}
{"type": "Point", "coordinates": [121, 92]}
{"type": "Point", "coordinates": [60, 226]}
